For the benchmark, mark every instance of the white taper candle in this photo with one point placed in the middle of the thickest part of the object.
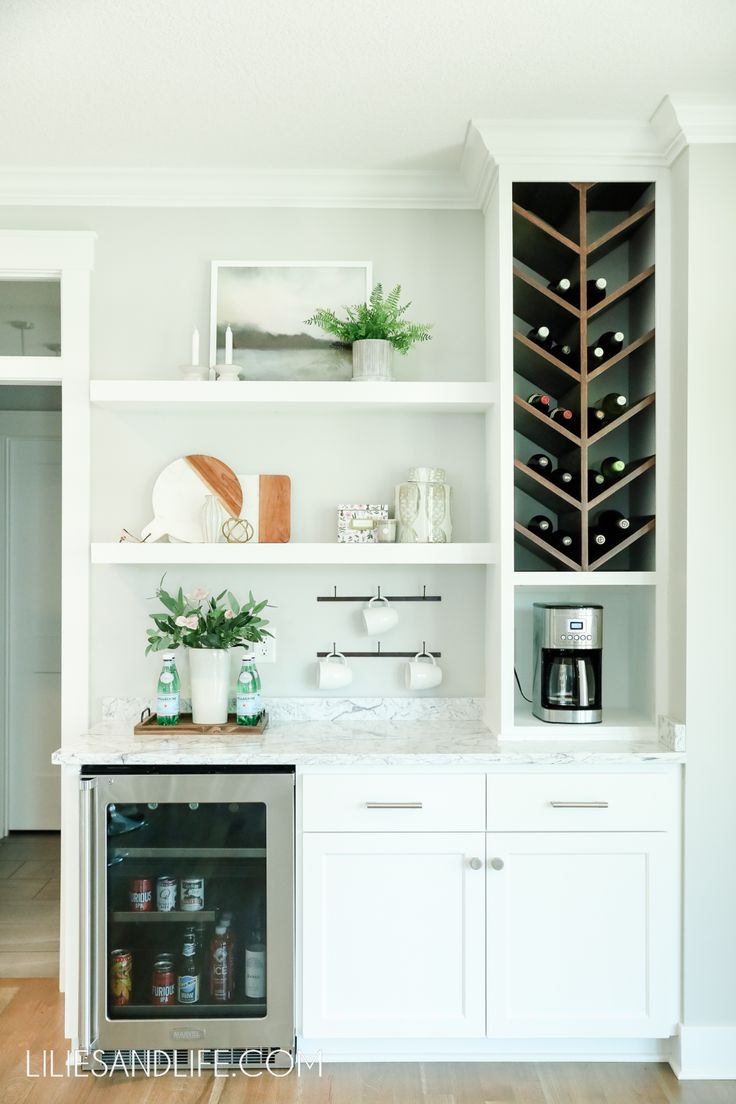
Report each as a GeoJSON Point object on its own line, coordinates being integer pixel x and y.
{"type": "Point", "coordinates": [228, 346]}
{"type": "Point", "coordinates": [195, 348]}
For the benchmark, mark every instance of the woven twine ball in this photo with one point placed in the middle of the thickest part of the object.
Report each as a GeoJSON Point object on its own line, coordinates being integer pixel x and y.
{"type": "Point", "coordinates": [237, 530]}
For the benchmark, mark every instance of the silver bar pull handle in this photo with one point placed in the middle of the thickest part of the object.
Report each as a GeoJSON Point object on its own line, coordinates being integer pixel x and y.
{"type": "Point", "coordinates": [86, 917]}
{"type": "Point", "coordinates": [393, 805]}
{"type": "Point", "coordinates": [579, 804]}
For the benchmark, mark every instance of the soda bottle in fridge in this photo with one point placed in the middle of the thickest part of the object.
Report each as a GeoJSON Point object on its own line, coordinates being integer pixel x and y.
{"type": "Point", "coordinates": [220, 983]}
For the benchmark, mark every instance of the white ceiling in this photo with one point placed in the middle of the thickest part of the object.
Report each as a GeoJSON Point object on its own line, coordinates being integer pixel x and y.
{"type": "Point", "coordinates": [326, 84]}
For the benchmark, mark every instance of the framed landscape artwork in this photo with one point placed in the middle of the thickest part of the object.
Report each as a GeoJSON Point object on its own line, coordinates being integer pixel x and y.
{"type": "Point", "coordinates": [265, 304]}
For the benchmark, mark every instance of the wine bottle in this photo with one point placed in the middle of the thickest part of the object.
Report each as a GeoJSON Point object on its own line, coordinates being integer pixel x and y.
{"type": "Point", "coordinates": [596, 483]}
{"type": "Point", "coordinates": [540, 335]}
{"type": "Point", "coordinates": [613, 522]}
{"type": "Point", "coordinates": [614, 404]}
{"type": "Point", "coordinates": [596, 291]}
{"type": "Point", "coordinates": [596, 419]}
{"type": "Point", "coordinates": [613, 468]}
{"type": "Point", "coordinates": [560, 287]}
{"type": "Point", "coordinates": [597, 540]}
{"type": "Point", "coordinates": [562, 540]}
{"type": "Point", "coordinates": [540, 525]}
{"type": "Point", "coordinates": [539, 462]}
{"type": "Point", "coordinates": [540, 402]}
{"type": "Point", "coordinates": [562, 477]}
{"type": "Point", "coordinates": [563, 351]}
{"type": "Point", "coordinates": [607, 345]}
{"type": "Point", "coordinates": [562, 415]}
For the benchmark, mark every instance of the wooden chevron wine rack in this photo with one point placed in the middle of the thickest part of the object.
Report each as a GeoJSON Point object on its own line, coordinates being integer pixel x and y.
{"type": "Point", "coordinates": [584, 335]}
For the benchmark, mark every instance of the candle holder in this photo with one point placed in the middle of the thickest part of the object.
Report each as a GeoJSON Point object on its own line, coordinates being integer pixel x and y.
{"type": "Point", "coordinates": [228, 373]}
{"type": "Point", "coordinates": [194, 372]}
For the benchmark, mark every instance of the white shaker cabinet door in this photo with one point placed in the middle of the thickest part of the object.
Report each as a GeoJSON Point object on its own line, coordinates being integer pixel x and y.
{"type": "Point", "coordinates": [581, 934]}
{"type": "Point", "coordinates": [393, 935]}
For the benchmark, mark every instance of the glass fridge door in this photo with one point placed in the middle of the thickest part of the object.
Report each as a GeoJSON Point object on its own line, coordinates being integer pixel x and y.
{"type": "Point", "coordinates": [196, 930]}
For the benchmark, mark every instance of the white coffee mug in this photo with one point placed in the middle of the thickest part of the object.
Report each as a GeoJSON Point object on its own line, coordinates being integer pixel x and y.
{"type": "Point", "coordinates": [379, 619]}
{"type": "Point", "coordinates": [422, 672]}
{"type": "Point", "coordinates": [334, 672]}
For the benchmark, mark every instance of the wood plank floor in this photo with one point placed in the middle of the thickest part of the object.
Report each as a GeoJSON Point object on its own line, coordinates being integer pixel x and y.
{"type": "Point", "coordinates": [31, 1018]}
{"type": "Point", "coordinates": [29, 905]}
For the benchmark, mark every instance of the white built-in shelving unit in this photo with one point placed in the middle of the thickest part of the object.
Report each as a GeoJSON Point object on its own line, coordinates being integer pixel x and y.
{"type": "Point", "coordinates": [159, 396]}
{"type": "Point", "coordinates": [295, 552]}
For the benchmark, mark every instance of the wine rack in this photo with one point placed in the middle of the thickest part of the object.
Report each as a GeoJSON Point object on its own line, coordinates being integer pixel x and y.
{"type": "Point", "coordinates": [581, 232]}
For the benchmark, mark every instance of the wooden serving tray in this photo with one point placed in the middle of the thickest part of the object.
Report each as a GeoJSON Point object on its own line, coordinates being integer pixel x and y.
{"type": "Point", "coordinates": [148, 726]}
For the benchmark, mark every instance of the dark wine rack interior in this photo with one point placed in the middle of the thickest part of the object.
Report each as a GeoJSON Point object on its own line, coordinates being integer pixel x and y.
{"type": "Point", "coordinates": [583, 232]}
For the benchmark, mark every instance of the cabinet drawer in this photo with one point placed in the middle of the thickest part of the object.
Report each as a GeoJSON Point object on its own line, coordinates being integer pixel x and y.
{"type": "Point", "coordinates": [569, 801]}
{"type": "Point", "coordinates": [393, 802]}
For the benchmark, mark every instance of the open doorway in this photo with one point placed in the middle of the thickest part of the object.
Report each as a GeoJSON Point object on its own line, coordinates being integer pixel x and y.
{"type": "Point", "coordinates": [30, 677]}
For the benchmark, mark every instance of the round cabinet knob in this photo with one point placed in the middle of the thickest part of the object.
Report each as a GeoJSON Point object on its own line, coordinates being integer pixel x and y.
{"type": "Point", "coordinates": [476, 864]}
{"type": "Point", "coordinates": [497, 864]}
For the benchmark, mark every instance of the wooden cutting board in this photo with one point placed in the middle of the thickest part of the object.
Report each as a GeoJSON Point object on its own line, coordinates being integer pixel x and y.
{"type": "Point", "coordinates": [221, 480]}
{"type": "Point", "coordinates": [267, 506]}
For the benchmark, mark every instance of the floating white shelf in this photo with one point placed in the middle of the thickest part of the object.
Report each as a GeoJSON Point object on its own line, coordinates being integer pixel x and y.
{"type": "Point", "coordinates": [160, 396]}
{"type": "Point", "coordinates": [294, 553]}
{"type": "Point", "coordinates": [584, 578]}
{"type": "Point", "coordinates": [617, 725]}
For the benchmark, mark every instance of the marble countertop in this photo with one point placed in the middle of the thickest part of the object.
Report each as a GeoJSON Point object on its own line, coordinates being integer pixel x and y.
{"type": "Point", "coordinates": [367, 742]}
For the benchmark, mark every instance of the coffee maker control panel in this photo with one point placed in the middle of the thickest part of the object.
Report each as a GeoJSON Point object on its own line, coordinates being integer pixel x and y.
{"type": "Point", "coordinates": [571, 627]}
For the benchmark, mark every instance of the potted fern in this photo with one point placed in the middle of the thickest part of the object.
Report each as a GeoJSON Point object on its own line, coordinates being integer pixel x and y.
{"type": "Point", "coordinates": [374, 329]}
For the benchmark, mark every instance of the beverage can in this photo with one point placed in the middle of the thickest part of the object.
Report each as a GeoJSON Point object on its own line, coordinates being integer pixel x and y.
{"type": "Point", "coordinates": [191, 894]}
{"type": "Point", "coordinates": [163, 983]}
{"type": "Point", "coordinates": [141, 895]}
{"type": "Point", "coordinates": [121, 976]}
{"type": "Point", "coordinates": [166, 887]}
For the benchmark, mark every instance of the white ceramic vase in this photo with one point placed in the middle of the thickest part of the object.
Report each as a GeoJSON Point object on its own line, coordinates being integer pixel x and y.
{"type": "Point", "coordinates": [209, 672]}
{"type": "Point", "coordinates": [212, 516]}
{"type": "Point", "coordinates": [372, 360]}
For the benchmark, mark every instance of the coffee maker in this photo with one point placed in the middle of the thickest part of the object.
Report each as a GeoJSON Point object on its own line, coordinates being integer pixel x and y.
{"type": "Point", "coordinates": [568, 644]}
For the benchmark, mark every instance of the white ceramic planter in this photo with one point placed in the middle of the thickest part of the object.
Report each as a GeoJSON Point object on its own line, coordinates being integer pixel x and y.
{"type": "Point", "coordinates": [372, 360]}
{"type": "Point", "coordinates": [209, 671]}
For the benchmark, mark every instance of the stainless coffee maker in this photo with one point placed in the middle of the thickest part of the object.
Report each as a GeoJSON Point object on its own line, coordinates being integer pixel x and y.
{"type": "Point", "coordinates": [568, 643]}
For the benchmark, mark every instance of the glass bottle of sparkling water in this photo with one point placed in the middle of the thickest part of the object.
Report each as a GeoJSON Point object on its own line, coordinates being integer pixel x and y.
{"type": "Point", "coordinates": [248, 696]}
{"type": "Point", "coordinates": [167, 693]}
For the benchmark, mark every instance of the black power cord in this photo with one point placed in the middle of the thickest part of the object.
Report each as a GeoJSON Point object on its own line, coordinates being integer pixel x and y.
{"type": "Point", "coordinates": [516, 676]}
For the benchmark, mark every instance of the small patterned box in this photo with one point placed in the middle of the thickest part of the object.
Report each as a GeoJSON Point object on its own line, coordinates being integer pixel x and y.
{"type": "Point", "coordinates": [356, 522]}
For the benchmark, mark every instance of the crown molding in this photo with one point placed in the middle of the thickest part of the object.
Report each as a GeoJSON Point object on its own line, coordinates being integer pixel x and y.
{"type": "Point", "coordinates": [478, 168]}
{"type": "Point", "coordinates": [166, 187]}
{"type": "Point", "coordinates": [678, 124]}
{"type": "Point", "coordinates": [562, 141]}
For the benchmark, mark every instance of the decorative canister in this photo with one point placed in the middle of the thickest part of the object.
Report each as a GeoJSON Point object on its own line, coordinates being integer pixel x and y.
{"type": "Point", "coordinates": [424, 508]}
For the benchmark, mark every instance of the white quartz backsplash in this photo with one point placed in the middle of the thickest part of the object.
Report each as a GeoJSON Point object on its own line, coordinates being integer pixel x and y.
{"type": "Point", "coordinates": [282, 710]}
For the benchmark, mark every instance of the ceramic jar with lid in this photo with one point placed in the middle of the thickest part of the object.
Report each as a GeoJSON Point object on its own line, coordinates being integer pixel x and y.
{"type": "Point", "coordinates": [424, 508]}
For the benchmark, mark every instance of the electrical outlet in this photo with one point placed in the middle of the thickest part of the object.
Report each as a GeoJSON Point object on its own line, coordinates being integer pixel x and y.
{"type": "Point", "coordinates": [265, 652]}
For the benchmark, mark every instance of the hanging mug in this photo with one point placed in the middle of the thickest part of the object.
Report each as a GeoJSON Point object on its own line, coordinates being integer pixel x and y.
{"type": "Point", "coordinates": [420, 675]}
{"type": "Point", "coordinates": [379, 619]}
{"type": "Point", "coordinates": [334, 672]}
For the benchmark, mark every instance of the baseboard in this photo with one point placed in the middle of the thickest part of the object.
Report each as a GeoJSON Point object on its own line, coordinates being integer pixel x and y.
{"type": "Point", "coordinates": [705, 1053]}
{"type": "Point", "coordinates": [485, 1050]}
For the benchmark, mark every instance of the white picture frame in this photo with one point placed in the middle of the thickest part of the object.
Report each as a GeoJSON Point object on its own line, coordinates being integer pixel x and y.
{"type": "Point", "coordinates": [265, 304]}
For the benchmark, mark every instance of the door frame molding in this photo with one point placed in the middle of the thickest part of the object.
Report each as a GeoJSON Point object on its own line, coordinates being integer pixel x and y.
{"type": "Point", "coordinates": [70, 254]}
{"type": "Point", "coordinates": [14, 426]}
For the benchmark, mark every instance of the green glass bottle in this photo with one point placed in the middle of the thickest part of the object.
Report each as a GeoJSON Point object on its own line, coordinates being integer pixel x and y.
{"type": "Point", "coordinates": [248, 694]}
{"type": "Point", "coordinates": [167, 692]}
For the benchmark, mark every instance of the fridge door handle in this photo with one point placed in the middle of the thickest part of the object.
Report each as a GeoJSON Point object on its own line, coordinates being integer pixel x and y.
{"type": "Point", "coordinates": [87, 1028]}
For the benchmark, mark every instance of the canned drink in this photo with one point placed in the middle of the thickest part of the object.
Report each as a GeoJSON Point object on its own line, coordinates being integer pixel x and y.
{"type": "Point", "coordinates": [166, 893]}
{"type": "Point", "coordinates": [121, 976]}
{"type": "Point", "coordinates": [192, 894]}
{"type": "Point", "coordinates": [141, 895]}
{"type": "Point", "coordinates": [163, 983]}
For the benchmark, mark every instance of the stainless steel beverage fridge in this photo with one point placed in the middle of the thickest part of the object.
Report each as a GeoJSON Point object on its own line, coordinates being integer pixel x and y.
{"type": "Point", "coordinates": [187, 914]}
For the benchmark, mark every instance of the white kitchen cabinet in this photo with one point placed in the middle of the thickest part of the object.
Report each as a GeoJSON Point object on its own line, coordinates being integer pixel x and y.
{"type": "Point", "coordinates": [393, 935]}
{"type": "Point", "coordinates": [582, 934]}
